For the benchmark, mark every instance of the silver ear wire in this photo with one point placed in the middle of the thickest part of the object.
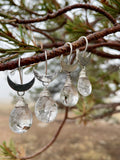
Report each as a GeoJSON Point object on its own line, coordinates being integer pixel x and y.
{"type": "Point", "coordinates": [86, 44]}
{"type": "Point", "coordinates": [20, 70]}
{"type": "Point", "coordinates": [83, 58]}
{"type": "Point", "coordinates": [68, 67]}
{"type": "Point", "coordinates": [71, 49]}
{"type": "Point", "coordinates": [46, 62]}
{"type": "Point", "coordinates": [45, 78]}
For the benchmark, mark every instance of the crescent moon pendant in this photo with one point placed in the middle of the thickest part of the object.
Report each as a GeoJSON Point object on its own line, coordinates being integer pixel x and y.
{"type": "Point", "coordinates": [20, 87]}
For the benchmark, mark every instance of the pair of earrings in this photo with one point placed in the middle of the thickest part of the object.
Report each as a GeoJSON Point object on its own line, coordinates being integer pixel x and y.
{"type": "Point", "coordinates": [69, 95]}
{"type": "Point", "coordinates": [45, 109]}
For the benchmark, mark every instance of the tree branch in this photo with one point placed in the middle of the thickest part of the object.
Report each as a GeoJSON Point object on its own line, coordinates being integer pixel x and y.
{"type": "Point", "coordinates": [52, 141]}
{"type": "Point", "coordinates": [23, 7]}
{"type": "Point", "coordinates": [97, 107]}
{"type": "Point", "coordinates": [64, 10]}
{"type": "Point", "coordinates": [110, 44]}
{"type": "Point", "coordinates": [53, 29]}
{"type": "Point", "coordinates": [104, 54]}
{"type": "Point", "coordinates": [61, 50]}
{"type": "Point", "coordinates": [41, 32]}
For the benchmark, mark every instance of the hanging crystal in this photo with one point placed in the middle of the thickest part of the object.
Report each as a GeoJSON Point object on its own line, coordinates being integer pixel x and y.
{"type": "Point", "coordinates": [46, 108]}
{"type": "Point", "coordinates": [20, 119]}
{"type": "Point", "coordinates": [84, 85]}
{"type": "Point", "coordinates": [69, 95]}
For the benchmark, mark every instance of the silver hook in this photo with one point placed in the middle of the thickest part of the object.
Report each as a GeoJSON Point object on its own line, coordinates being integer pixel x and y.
{"type": "Point", "coordinates": [86, 44]}
{"type": "Point", "coordinates": [71, 48]}
{"type": "Point", "coordinates": [85, 57]}
{"type": "Point", "coordinates": [46, 62]}
{"type": "Point", "coordinates": [20, 71]}
{"type": "Point", "coordinates": [61, 57]}
{"type": "Point", "coordinates": [21, 75]}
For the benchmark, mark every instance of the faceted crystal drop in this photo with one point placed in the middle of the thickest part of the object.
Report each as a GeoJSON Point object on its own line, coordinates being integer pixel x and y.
{"type": "Point", "coordinates": [46, 108]}
{"type": "Point", "coordinates": [20, 118]}
{"type": "Point", "coordinates": [69, 95]}
{"type": "Point", "coordinates": [84, 85]}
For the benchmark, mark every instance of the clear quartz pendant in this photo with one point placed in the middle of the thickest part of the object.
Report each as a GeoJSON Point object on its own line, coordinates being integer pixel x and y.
{"type": "Point", "coordinates": [20, 119]}
{"type": "Point", "coordinates": [46, 108]}
{"type": "Point", "coordinates": [84, 85]}
{"type": "Point", "coordinates": [69, 95]}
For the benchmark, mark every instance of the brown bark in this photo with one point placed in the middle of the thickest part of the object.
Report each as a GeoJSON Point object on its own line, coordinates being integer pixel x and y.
{"type": "Point", "coordinates": [60, 50]}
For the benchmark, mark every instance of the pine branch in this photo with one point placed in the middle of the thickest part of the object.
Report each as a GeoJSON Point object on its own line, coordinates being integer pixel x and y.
{"type": "Point", "coordinates": [111, 106]}
{"type": "Point", "coordinates": [64, 10]}
{"type": "Point", "coordinates": [104, 54]}
{"type": "Point", "coordinates": [61, 50]}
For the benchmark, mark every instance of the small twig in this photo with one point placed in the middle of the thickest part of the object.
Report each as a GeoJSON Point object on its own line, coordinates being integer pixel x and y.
{"type": "Point", "coordinates": [64, 10]}
{"type": "Point", "coordinates": [97, 107]}
{"type": "Point", "coordinates": [52, 141]}
{"type": "Point", "coordinates": [53, 29]}
{"type": "Point", "coordinates": [7, 21]}
{"type": "Point", "coordinates": [41, 32]}
{"type": "Point", "coordinates": [104, 54]}
{"type": "Point", "coordinates": [106, 106]}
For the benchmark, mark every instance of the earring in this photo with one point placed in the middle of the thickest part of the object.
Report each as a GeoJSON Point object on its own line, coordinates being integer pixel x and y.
{"type": "Point", "coordinates": [45, 108]}
{"type": "Point", "coordinates": [84, 85]}
{"type": "Point", "coordinates": [21, 117]}
{"type": "Point", "coordinates": [69, 95]}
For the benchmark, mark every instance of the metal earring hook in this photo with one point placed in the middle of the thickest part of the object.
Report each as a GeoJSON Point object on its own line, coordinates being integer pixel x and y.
{"type": "Point", "coordinates": [20, 70]}
{"type": "Point", "coordinates": [71, 49]}
{"type": "Point", "coordinates": [68, 67]}
{"type": "Point", "coordinates": [83, 58]}
{"type": "Point", "coordinates": [86, 44]}
{"type": "Point", "coordinates": [21, 75]}
{"type": "Point", "coordinates": [46, 62]}
{"type": "Point", "coordinates": [45, 79]}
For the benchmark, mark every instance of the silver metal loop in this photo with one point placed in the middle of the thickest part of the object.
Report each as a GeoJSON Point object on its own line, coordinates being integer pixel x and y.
{"type": "Point", "coordinates": [20, 70]}
{"type": "Point", "coordinates": [86, 44]}
{"type": "Point", "coordinates": [71, 49]}
{"type": "Point", "coordinates": [68, 67]}
{"type": "Point", "coordinates": [20, 93]}
{"type": "Point", "coordinates": [46, 62]}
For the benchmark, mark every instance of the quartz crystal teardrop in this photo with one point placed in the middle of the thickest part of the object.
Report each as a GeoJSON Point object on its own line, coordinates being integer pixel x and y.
{"type": "Point", "coordinates": [69, 95]}
{"type": "Point", "coordinates": [84, 85]}
{"type": "Point", "coordinates": [46, 108]}
{"type": "Point", "coordinates": [20, 119]}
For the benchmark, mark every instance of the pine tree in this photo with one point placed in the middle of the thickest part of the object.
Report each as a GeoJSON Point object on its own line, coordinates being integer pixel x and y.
{"type": "Point", "coordinates": [31, 27]}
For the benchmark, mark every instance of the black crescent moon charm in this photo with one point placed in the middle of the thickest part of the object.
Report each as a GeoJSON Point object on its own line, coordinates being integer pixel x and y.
{"type": "Point", "coordinates": [20, 87]}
